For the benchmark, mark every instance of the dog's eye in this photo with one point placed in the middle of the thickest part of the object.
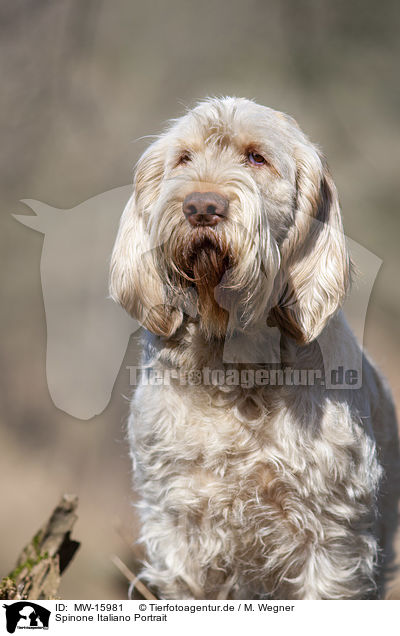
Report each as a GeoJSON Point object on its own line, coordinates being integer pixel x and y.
{"type": "Point", "coordinates": [255, 158]}
{"type": "Point", "coordinates": [184, 157]}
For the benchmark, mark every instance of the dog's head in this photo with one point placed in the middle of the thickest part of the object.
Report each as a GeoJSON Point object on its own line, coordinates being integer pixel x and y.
{"type": "Point", "coordinates": [233, 200]}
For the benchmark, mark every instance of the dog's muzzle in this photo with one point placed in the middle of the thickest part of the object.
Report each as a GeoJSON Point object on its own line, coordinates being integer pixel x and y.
{"type": "Point", "coordinates": [205, 208]}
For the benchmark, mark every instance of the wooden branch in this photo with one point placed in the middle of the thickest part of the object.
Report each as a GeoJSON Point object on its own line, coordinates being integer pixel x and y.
{"type": "Point", "coordinates": [41, 563]}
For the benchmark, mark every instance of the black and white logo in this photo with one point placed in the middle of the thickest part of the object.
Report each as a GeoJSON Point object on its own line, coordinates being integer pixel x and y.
{"type": "Point", "coordinates": [26, 615]}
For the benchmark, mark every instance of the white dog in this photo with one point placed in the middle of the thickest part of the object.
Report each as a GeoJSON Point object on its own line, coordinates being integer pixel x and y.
{"type": "Point", "coordinates": [267, 489]}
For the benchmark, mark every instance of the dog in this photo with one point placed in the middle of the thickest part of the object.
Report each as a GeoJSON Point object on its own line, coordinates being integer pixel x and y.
{"type": "Point", "coordinates": [278, 490]}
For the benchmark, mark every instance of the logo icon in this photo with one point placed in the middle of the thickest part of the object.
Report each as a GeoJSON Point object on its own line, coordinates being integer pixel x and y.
{"type": "Point", "coordinates": [26, 615]}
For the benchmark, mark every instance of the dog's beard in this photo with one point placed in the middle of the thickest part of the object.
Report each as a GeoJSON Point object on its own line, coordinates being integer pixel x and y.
{"type": "Point", "coordinates": [224, 264]}
{"type": "Point", "coordinates": [201, 258]}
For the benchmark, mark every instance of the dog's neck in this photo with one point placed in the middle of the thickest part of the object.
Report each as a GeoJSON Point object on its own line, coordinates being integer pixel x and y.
{"type": "Point", "coordinates": [262, 347]}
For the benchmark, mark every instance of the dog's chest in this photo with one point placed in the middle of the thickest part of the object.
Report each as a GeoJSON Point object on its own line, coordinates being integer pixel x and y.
{"type": "Point", "coordinates": [218, 461]}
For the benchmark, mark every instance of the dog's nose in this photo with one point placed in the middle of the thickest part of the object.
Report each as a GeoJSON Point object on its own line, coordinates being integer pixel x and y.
{"type": "Point", "coordinates": [205, 208]}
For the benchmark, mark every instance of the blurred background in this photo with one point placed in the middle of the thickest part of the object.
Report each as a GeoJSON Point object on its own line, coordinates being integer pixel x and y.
{"type": "Point", "coordinates": [81, 83]}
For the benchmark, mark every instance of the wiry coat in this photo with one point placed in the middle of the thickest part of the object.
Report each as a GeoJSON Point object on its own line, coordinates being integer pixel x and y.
{"type": "Point", "coordinates": [251, 491]}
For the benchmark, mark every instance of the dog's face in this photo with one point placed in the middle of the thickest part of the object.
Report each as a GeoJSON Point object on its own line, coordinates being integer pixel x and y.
{"type": "Point", "coordinates": [234, 201]}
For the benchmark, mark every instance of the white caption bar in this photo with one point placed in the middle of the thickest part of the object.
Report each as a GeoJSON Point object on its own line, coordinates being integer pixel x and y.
{"type": "Point", "coordinates": [180, 617]}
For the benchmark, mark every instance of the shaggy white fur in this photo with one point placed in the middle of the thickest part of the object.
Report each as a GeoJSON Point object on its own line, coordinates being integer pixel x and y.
{"type": "Point", "coordinates": [285, 490]}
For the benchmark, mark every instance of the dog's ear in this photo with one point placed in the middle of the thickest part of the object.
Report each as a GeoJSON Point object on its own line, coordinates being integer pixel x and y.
{"type": "Point", "coordinates": [315, 262]}
{"type": "Point", "coordinates": [134, 279]}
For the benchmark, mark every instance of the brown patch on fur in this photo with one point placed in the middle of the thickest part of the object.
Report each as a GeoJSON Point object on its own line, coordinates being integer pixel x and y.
{"type": "Point", "coordinates": [203, 260]}
{"type": "Point", "coordinates": [285, 321]}
{"type": "Point", "coordinates": [162, 320]}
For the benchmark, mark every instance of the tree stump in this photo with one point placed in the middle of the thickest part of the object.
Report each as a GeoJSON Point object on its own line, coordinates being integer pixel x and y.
{"type": "Point", "coordinates": [38, 571]}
